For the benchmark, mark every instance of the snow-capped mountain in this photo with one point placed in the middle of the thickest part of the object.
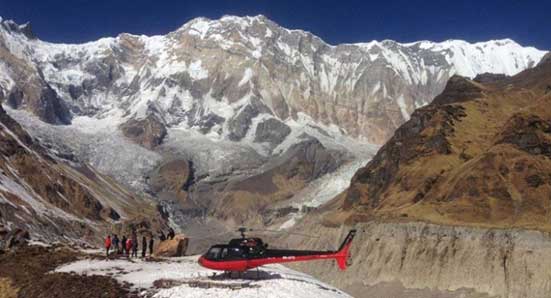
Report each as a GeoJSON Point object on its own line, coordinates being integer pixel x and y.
{"type": "Point", "coordinates": [216, 76]}
{"type": "Point", "coordinates": [257, 112]}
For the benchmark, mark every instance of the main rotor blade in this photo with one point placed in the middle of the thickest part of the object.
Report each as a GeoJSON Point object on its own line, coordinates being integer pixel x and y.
{"type": "Point", "coordinates": [211, 235]}
{"type": "Point", "coordinates": [283, 232]}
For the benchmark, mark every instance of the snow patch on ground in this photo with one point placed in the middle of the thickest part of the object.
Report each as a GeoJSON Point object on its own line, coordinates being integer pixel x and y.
{"type": "Point", "coordinates": [276, 280]}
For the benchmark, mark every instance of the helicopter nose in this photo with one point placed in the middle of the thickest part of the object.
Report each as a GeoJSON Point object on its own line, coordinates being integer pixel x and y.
{"type": "Point", "coordinates": [202, 261]}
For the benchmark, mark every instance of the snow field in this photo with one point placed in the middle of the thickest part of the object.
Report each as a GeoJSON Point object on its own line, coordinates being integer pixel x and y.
{"type": "Point", "coordinates": [276, 281]}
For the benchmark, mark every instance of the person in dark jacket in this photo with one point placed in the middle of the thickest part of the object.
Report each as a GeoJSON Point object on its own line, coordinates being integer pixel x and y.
{"type": "Point", "coordinates": [144, 246]}
{"type": "Point", "coordinates": [116, 241]}
{"type": "Point", "coordinates": [134, 235]}
{"type": "Point", "coordinates": [151, 243]}
{"type": "Point", "coordinates": [171, 233]}
{"type": "Point", "coordinates": [162, 236]}
{"type": "Point", "coordinates": [134, 244]}
{"type": "Point", "coordinates": [123, 245]}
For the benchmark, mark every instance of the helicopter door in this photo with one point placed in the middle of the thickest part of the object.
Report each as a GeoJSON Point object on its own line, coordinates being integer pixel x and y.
{"type": "Point", "coordinates": [236, 253]}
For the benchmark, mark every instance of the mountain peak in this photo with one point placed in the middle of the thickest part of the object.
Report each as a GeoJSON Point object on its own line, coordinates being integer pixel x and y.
{"type": "Point", "coordinates": [243, 18]}
{"type": "Point", "coordinates": [240, 21]}
{"type": "Point", "coordinates": [12, 26]}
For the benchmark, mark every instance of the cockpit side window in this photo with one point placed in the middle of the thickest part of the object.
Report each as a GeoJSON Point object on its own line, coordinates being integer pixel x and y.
{"type": "Point", "coordinates": [214, 253]}
{"type": "Point", "coordinates": [224, 254]}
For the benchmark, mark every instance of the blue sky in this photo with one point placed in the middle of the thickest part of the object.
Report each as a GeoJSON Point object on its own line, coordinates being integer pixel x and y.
{"type": "Point", "coordinates": [527, 22]}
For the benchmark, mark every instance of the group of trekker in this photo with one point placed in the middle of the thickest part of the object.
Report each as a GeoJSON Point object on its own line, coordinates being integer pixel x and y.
{"type": "Point", "coordinates": [128, 246]}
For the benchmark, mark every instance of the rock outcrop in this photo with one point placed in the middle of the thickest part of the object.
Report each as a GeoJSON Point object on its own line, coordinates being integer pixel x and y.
{"type": "Point", "coordinates": [271, 131]}
{"type": "Point", "coordinates": [148, 132]}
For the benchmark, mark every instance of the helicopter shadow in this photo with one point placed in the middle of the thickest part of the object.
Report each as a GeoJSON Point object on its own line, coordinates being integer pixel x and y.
{"type": "Point", "coordinates": [247, 275]}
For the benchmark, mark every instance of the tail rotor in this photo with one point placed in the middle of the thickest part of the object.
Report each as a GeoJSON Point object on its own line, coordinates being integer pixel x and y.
{"type": "Point", "coordinates": [342, 254]}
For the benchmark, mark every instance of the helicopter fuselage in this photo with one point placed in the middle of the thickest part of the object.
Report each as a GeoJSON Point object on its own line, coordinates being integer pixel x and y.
{"type": "Point", "coordinates": [269, 256]}
{"type": "Point", "coordinates": [248, 253]}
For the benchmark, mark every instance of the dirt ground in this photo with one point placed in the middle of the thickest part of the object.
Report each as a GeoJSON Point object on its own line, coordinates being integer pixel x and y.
{"type": "Point", "coordinates": [24, 273]}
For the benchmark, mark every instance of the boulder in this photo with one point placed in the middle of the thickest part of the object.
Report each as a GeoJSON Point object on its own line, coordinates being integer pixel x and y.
{"type": "Point", "coordinates": [172, 247]}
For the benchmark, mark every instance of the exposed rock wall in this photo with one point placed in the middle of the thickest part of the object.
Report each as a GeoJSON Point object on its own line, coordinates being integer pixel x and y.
{"type": "Point", "coordinates": [443, 259]}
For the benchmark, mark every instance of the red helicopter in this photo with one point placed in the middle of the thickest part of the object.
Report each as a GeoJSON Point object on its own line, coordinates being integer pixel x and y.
{"type": "Point", "coordinates": [245, 253]}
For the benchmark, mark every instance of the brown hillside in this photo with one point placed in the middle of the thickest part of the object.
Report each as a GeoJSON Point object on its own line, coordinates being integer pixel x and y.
{"type": "Point", "coordinates": [480, 155]}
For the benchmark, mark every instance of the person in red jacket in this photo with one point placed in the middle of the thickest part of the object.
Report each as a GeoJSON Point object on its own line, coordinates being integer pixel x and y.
{"type": "Point", "coordinates": [129, 246]}
{"type": "Point", "coordinates": [107, 244]}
